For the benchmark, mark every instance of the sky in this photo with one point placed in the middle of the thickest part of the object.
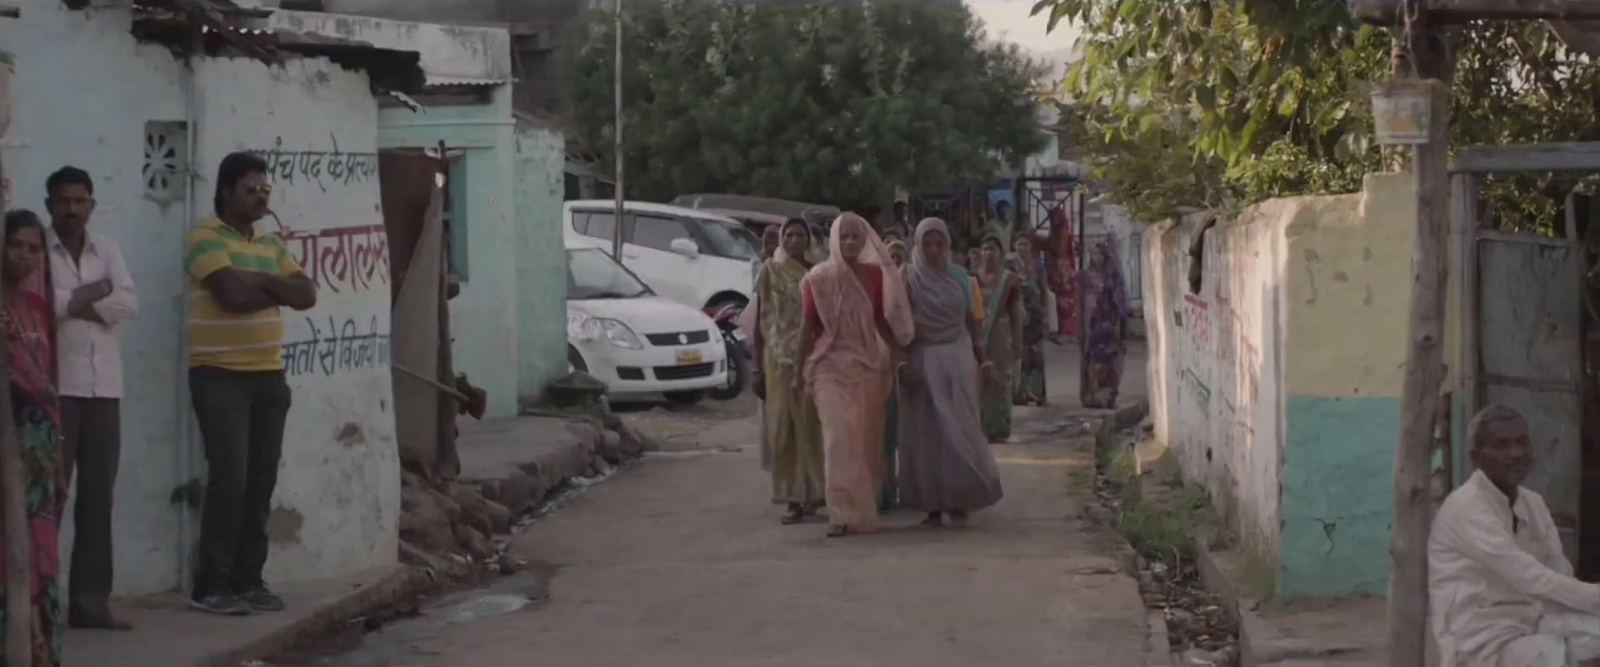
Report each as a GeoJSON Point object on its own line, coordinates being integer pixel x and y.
{"type": "Point", "coordinates": [1009, 20]}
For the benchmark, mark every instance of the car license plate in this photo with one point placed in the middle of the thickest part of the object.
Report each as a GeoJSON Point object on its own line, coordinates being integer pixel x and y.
{"type": "Point", "coordinates": [688, 356]}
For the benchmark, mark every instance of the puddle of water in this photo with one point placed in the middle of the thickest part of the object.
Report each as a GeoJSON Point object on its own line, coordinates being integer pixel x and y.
{"type": "Point", "coordinates": [400, 638]}
{"type": "Point", "coordinates": [484, 607]}
{"type": "Point", "coordinates": [692, 453]}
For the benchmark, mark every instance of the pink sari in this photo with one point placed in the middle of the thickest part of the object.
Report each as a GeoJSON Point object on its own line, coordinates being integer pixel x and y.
{"type": "Point", "coordinates": [849, 373]}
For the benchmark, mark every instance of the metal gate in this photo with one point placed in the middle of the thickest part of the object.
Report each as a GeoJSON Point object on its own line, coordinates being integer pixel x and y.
{"type": "Point", "coordinates": [1522, 341]}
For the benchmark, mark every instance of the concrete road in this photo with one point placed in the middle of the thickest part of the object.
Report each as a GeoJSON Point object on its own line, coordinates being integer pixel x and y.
{"type": "Point", "coordinates": [680, 560]}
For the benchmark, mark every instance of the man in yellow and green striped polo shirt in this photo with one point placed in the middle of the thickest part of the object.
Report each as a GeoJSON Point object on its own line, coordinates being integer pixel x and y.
{"type": "Point", "coordinates": [239, 280]}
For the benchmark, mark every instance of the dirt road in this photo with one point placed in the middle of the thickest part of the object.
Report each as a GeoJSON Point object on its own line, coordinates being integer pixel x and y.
{"type": "Point", "coordinates": [681, 561]}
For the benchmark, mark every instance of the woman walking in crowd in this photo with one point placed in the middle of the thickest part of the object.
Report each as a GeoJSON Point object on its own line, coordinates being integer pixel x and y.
{"type": "Point", "coordinates": [1063, 276]}
{"type": "Point", "coordinates": [898, 252]}
{"type": "Point", "coordinates": [946, 468]}
{"type": "Point", "coordinates": [1029, 265]}
{"type": "Point", "coordinates": [1104, 299]}
{"type": "Point", "coordinates": [1000, 335]}
{"type": "Point", "coordinates": [793, 434]}
{"type": "Point", "coordinates": [888, 490]}
{"type": "Point", "coordinates": [30, 349]}
{"type": "Point", "coordinates": [770, 240]}
{"type": "Point", "coordinates": [856, 322]}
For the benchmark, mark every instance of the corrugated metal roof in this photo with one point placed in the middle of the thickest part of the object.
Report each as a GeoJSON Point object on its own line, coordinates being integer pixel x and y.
{"type": "Point", "coordinates": [448, 80]}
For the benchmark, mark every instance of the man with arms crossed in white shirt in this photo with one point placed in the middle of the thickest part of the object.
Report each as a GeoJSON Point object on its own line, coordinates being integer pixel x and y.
{"type": "Point", "coordinates": [93, 294]}
{"type": "Point", "coordinates": [1501, 592]}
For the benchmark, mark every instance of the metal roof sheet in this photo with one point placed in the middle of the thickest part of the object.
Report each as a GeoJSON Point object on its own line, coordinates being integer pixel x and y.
{"type": "Point", "coordinates": [450, 80]}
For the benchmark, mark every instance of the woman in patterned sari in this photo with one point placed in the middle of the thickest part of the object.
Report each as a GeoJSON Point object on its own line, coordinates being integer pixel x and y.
{"type": "Point", "coordinates": [1104, 303]}
{"type": "Point", "coordinates": [793, 434]}
{"type": "Point", "coordinates": [856, 322]}
{"type": "Point", "coordinates": [1030, 387]}
{"type": "Point", "coordinates": [1000, 335]}
{"type": "Point", "coordinates": [30, 347]}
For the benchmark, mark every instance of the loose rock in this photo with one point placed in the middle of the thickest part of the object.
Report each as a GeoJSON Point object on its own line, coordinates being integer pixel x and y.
{"type": "Point", "coordinates": [474, 509]}
{"type": "Point", "coordinates": [500, 516]}
{"type": "Point", "coordinates": [424, 521]}
{"type": "Point", "coordinates": [610, 447]}
{"type": "Point", "coordinates": [476, 544]}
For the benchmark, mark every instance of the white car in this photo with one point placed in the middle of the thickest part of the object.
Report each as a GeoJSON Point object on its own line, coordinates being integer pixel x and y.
{"type": "Point", "coordinates": [636, 342]}
{"type": "Point", "coordinates": [699, 259]}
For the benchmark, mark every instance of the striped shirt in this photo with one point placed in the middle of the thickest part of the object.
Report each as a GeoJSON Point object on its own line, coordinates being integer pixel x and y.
{"type": "Point", "coordinates": [218, 337]}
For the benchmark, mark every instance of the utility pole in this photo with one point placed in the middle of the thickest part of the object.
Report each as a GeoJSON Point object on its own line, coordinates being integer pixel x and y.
{"type": "Point", "coordinates": [1421, 58]}
{"type": "Point", "coordinates": [616, 131]}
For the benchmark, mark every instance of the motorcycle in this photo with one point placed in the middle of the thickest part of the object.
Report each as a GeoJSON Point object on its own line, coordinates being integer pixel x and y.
{"type": "Point", "coordinates": [727, 318]}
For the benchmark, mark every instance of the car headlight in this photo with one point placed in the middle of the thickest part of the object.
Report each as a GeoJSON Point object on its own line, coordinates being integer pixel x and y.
{"type": "Point", "coordinates": [620, 335]}
{"type": "Point", "coordinates": [584, 328]}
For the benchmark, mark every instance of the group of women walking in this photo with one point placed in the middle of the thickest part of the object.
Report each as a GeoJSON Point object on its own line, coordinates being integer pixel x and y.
{"type": "Point", "coordinates": [866, 364]}
{"type": "Point", "coordinates": [887, 369]}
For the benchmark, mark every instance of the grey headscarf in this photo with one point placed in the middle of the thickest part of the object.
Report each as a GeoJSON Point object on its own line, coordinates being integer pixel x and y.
{"type": "Point", "coordinates": [938, 293]}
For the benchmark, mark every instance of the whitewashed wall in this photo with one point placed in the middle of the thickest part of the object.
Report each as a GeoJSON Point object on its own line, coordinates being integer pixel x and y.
{"type": "Point", "coordinates": [337, 506]}
{"type": "Point", "coordinates": [83, 92]}
{"type": "Point", "coordinates": [1213, 364]}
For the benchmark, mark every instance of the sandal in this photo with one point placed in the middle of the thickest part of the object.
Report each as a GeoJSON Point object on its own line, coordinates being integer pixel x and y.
{"type": "Point", "coordinates": [796, 514]}
{"type": "Point", "coordinates": [838, 530]}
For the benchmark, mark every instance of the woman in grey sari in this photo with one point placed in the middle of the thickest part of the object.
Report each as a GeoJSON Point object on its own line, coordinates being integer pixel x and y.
{"type": "Point", "coordinates": [946, 467]}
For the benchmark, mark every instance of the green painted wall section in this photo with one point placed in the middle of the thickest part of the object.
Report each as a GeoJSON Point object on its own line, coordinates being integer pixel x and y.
{"type": "Point", "coordinates": [541, 262]}
{"type": "Point", "coordinates": [487, 307]}
{"type": "Point", "coordinates": [1336, 483]}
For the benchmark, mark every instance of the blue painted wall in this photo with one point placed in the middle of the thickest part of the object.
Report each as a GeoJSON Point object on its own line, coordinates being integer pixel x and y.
{"type": "Point", "coordinates": [484, 315]}
{"type": "Point", "coordinates": [1337, 481]}
{"type": "Point", "coordinates": [541, 261]}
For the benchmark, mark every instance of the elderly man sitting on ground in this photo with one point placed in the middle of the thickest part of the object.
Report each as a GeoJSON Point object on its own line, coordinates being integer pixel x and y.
{"type": "Point", "coordinates": [1502, 593]}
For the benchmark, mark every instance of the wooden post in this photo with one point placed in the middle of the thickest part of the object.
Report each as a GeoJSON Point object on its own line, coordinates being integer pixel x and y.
{"type": "Point", "coordinates": [616, 135]}
{"type": "Point", "coordinates": [18, 581]}
{"type": "Point", "coordinates": [1421, 54]}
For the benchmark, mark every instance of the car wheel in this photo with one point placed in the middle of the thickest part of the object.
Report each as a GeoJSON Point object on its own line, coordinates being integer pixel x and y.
{"type": "Point", "coordinates": [685, 398]}
{"type": "Point", "coordinates": [575, 360]}
{"type": "Point", "coordinates": [738, 374]}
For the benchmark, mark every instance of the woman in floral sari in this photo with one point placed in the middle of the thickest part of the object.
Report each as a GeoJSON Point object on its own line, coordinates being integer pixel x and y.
{"type": "Point", "coordinates": [793, 434]}
{"type": "Point", "coordinates": [856, 322]}
{"type": "Point", "coordinates": [1030, 387]}
{"type": "Point", "coordinates": [1000, 335]}
{"type": "Point", "coordinates": [30, 347]}
{"type": "Point", "coordinates": [946, 468]}
{"type": "Point", "coordinates": [1104, 303]}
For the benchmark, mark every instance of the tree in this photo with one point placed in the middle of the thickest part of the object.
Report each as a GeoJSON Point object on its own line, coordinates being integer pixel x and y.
{"type": "Point", "coordinates": [827, 102]}
{"type": "Point", "coordinates": [1235, 101]}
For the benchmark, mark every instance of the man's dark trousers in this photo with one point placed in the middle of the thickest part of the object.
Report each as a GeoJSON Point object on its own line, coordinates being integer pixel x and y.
{"type": "Point", "coordinates": [91, 443]}
{"type": "Point", "coordinates": [241, 415]}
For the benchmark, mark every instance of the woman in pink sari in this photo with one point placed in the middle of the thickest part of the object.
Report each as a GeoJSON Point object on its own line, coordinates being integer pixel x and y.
{"type": "Point", "coordinates": [856, 323]}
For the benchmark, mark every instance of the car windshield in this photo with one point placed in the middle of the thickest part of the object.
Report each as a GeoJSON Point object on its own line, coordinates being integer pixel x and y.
{"type": "Point", "coordinates": [592, 274]}
{"type": "Point", "coordinates": [729, 239]}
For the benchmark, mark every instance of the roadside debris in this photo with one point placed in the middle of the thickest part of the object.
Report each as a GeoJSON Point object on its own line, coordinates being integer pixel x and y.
{"type": "Point", "coordinates": [1157, 514]}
